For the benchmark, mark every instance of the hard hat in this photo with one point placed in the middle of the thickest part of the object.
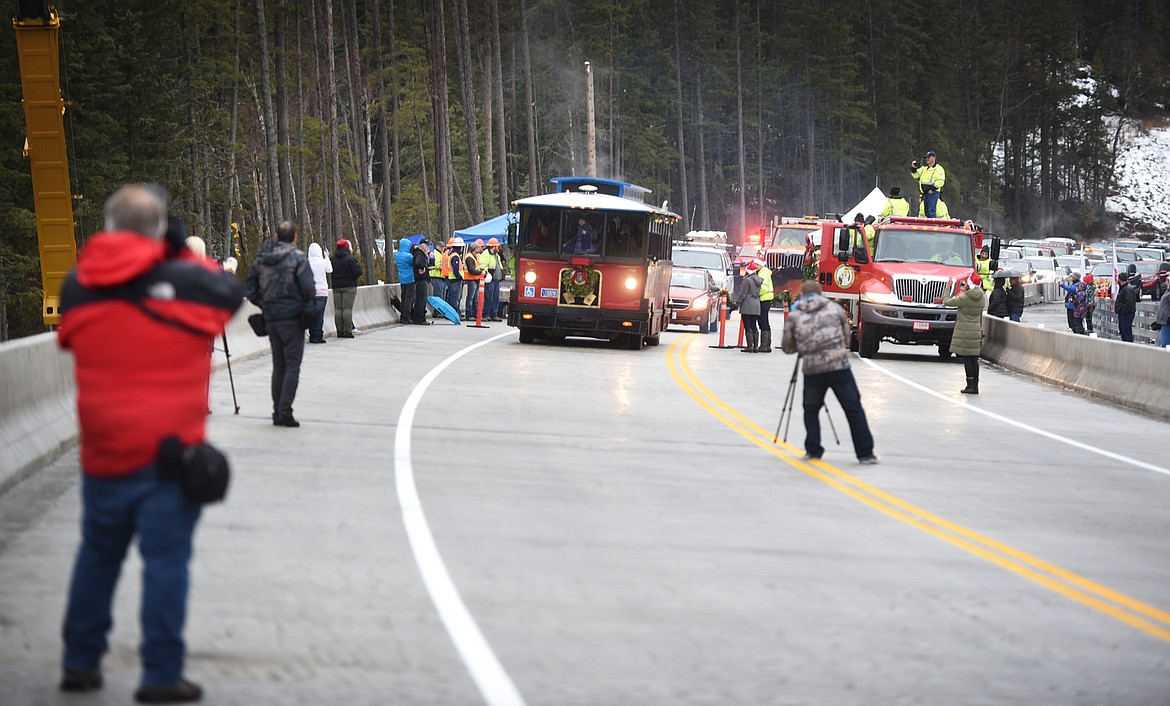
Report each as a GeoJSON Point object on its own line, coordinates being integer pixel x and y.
{"type": "Point", "coordinates": [493, 242]}
{"type": "Point", "coordinates": [450, 242]}
{"type": "Point", "coordinates": [457, 242]}
{"type": "Point", "coordinates": [479, 242]}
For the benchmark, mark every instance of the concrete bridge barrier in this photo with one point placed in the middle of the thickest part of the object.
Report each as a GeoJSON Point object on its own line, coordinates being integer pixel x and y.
{"type": "Point", "coordinates": [1129, 374]}
{"type": "Point", "coordinates": [38, 409]}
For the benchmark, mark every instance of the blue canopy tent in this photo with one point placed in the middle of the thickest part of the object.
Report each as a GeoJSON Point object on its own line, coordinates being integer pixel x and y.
{"type": "Point", "coordinates": [492, 228]}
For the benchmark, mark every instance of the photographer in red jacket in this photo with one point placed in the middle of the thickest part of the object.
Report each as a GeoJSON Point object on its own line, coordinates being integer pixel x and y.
{"type": "Point", "coordinates": [139, 320]}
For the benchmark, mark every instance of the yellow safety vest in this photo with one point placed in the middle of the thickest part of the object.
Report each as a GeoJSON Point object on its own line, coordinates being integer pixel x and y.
{"type": "Point", "coordinates": [896, 207]}
{"type": "Point", "coordinates": [767, 292]}
{"type": "Point", "coordinates": [930, 175]}
{"type": "Point", "coordinates": [439, 269]}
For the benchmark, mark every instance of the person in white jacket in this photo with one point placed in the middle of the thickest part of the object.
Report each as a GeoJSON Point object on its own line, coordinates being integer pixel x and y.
{"type": "Point", "coordinates": [320, 266]}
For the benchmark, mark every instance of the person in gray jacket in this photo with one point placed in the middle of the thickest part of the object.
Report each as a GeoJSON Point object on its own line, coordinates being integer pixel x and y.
{"type": "Point", "coordinates": [281, 284]}
{"type": "Point", "coordinates": [967, 338]}
{"type": "Point", "coordinates": [747, 300]}
{"type": "Point", "coordinates": [818, 330]}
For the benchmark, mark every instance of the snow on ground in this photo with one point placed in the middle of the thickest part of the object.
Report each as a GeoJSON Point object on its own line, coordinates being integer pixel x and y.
{"type": "Point", "coordinates": [1143, 178]}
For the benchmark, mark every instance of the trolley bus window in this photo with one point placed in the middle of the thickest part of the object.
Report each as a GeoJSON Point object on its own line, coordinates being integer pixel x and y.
{"type": "Point", "coordinates": [629, 234]}
{"type": "Point", "coordinates": [540, 229]}
{"type": "Point", "coordinates": [583, 234]}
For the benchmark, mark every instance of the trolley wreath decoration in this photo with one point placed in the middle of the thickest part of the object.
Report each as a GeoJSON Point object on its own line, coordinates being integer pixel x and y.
{"type": "Point", "coordinates": [580, 281]}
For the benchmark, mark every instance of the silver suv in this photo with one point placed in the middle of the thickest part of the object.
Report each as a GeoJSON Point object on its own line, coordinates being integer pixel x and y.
{"type": "Point", "coordinates": [717, 261]}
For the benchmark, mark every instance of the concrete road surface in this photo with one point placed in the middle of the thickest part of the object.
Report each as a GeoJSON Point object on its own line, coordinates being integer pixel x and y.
{"type": "Point", "coordinates": [463, 519]}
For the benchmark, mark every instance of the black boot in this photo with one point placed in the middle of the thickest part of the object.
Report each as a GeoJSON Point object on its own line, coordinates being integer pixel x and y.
{"type": "Point", "coordinates": [972, 387]}
{"type": "Point", "coordinates": [765, 342]}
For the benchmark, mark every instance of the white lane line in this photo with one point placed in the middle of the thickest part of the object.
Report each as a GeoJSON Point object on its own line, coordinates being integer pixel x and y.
{"type": "Point", "coordinates": [1021, 425]}
{"type": "Point", "coordinates": [495, 686]}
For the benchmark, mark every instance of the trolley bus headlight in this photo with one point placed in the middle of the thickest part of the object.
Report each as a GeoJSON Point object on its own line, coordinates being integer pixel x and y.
{"type": "Point", "coordinates": [530, 276]}
{"type": "Point", "coordinates": [631, 282]}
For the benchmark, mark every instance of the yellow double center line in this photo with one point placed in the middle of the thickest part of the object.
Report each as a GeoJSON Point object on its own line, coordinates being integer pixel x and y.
{"type": "Point", "coordinates": [1116, 605]}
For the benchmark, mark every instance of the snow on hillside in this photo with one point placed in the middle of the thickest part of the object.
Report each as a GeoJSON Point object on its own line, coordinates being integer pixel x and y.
{"type": "Point", "coordinates": [1143, 180]}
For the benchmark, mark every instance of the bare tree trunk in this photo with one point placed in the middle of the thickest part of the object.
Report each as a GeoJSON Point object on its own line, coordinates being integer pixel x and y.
{"type": "Point", "coordinates": [422, 158]}
{"type": "Point", "coordinates": [440, 109]}
{"type": "Point", "coordinates": [193, 147]}
{"type": "Point", "coordinates": [530, 107]}
{"type": "Point", "coordinates": [465, 81]}
{"type": "Point", "coordinates": [282, 136]}
{"type": "Point", "coordinates": [678, 100]}
{"type": "Point", "coordinates": [397, 171]}
{"type": "Point", "coordinates": [269, 121]}
{"type": "Point", "coordinates": [299, 185]}
{"type": "Point", "coordinates": [233, 177]}
{"type": "Point", "coordinates": [739, 129]}
{"type": "Point", "coordinates": [331, 97]}
{"type": "Point", "coordinates": [501, 128]}
{"type": "Point", "coordinates": [759, 116]}
{"type": "Point", "coordinates": [383, 138]}
{"type": "Point", "coordinates": [590, 125]}
{"type": "Point", "coordinates": [489, 159]}
{"type": "Point", "coordinates": [358, 130]}
{"type": "Point", "coordinates": [704, 213]}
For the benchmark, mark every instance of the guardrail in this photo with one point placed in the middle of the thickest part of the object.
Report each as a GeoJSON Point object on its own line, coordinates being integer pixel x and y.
{"type": "Point", "coordinates": [1129, 374]}
{"type": "Point", "coordinates": [38, 411]}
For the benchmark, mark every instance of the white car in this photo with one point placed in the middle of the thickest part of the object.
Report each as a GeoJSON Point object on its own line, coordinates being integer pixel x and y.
{"type": "Point", "coordinates": [715, 260]}
{"type": "Point", "coordinates": [1048, 269]}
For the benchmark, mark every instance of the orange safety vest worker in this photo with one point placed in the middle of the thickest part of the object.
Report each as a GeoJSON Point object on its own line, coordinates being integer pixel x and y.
{"type": "Point", "coordinates": [471, 262]}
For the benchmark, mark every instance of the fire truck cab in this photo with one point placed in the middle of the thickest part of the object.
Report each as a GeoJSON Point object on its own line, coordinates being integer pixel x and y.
{"type": "Point", "coordinates": [787, 249]}
{"type": "Point", "coordinates": [894, 288]}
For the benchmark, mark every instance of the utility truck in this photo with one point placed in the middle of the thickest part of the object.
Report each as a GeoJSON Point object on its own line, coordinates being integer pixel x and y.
{"type": "Point", "coordinates": [894, 288]}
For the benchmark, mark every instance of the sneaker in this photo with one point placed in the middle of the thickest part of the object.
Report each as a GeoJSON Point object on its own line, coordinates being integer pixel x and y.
{"type": "Point", "coordinates": [81, 681]}
{"type": "Point", "coordinates": [181, 693]}
{"type": "Point", "coordinates": [869, 461]}
{"type": "Point", "coordinates": [357, 332]}
{"type": "Point", "coordinates": [809, 457]}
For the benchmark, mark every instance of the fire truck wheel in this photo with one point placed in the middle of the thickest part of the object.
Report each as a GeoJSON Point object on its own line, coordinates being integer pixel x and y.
{"type": "Point", "coordinates": [527, 335]}
{"type": "Point", "coordinates": [868, 345]}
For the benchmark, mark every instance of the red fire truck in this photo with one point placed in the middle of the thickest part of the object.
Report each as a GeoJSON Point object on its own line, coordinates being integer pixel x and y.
{"type": "Point", "coordinates": [787, 246]}
{"type": "Point", "coordinates": [593, 260]}
{"type": "Point", "coordinates": [894, 290]}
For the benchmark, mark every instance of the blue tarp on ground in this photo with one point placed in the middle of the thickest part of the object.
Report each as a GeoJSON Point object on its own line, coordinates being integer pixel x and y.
{"type": "Point", "coordinates": [493, 228]}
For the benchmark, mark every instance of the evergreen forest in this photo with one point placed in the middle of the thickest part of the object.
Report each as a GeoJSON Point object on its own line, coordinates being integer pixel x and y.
{"type": "Point", "coordinates": [377, 119]}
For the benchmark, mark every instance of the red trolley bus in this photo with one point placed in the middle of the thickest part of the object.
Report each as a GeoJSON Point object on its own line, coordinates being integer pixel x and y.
{"type": "Point", "coordinates": [593, 260]}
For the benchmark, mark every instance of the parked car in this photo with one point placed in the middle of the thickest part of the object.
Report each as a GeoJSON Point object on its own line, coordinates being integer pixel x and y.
{"type": "Point", "coordinates": [1023, 268]}
{"type": "Point", "coordinates": [714, 260]}
{"type": "Point", "coordinates": [1153, 278]}
{"type": "Point", "coordinates": [694, 299]}
{"type": "Point", "coordinates": [1156, 254]}
{"type": "Point", "coordinates": [1048, 269]}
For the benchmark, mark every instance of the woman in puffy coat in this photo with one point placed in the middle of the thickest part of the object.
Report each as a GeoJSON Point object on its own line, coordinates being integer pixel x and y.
{"type": "Point", "coordinates": [967, 339]}
{"type": "Point", "coordinates": [747, 300]}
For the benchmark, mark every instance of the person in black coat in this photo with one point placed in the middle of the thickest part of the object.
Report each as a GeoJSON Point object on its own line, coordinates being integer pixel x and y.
{"type": "Point", "coordinates": [1125, 306]}
{"type": "Point", "coordinates": [346, 272]}
{"type": "Point", "coordinates": [1015, 298]}
{"type": "Point", "coordinates": [997, 302]}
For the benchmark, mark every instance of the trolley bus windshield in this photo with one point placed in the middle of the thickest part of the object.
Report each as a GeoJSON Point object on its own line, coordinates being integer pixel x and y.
{"type": "Point", "coordinates": [571, 232]}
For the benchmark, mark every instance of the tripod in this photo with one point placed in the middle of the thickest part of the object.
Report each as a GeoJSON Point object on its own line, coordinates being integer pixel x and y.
{"type": "Point", "coordinates": [228, 357]}
{"type": "Point", "coordinates": [790, 400]}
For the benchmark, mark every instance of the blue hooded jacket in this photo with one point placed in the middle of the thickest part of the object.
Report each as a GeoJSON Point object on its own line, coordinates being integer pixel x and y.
{"type": "Point", "coordinates": [405, 262]}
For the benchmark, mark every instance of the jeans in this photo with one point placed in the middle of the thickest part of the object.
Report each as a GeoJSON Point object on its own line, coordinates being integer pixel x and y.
{"type": "Point", "coordinates": [751, 322]}
{"type": "Point", "coordinates": [114, 510]}
{"type": "Point", "coordinates": [1014, 315]}
{"type": "Point", "coordinates": [343, 300]}
{"type": "Point", "coordinates": [843, 385]}
{"type": "Point", "coordinates": [1089, 318]}
{"type": "Point", "coordinates": [472, 299]}
{"type": "Point", "coordinates": [491, 299]}
{"type": "Point", "coordinates": [765, 307]}
{"type": "Point", "coordinates": [970, 365]}
{"type": "Point", "coordinates": [288, 348]}
{"type": "Point", "coordinates": [1164, 336]}
{"type": "Point", "coordinates": [418, 311]}
{"type": "Point", "coordinates": [317, 332]}
{"type": "Point", "coordinates": [440, 288]}
{"type": "Point", "coordinates": [1125, 326]}
{"type": "Point", "coordinates": [929, 203]}
{"type": "Point", "coordinates": [454, 290]}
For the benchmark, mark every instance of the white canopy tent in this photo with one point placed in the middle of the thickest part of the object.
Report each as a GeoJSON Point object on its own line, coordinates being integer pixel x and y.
{"type": "Point", "coordinates": [871, 205]}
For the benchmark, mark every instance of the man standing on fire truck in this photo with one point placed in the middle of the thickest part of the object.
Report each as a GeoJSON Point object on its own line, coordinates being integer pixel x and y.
{"type": "Point", "coordinates": [931, 178]}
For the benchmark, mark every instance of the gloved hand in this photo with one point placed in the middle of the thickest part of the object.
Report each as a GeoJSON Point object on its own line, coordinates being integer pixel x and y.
{"type": "Point", "coordinates": [914, 164]}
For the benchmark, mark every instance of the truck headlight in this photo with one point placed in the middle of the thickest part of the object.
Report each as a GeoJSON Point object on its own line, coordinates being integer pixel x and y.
{"type": "Point", "coordinates": [878, 296]}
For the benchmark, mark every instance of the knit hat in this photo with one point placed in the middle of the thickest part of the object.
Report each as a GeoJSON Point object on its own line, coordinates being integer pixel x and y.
{"type": "Point", "coordinates": [1088, 278]}
{"type": "Point", "coordinates": [343, 243]}
{"type": "Point", "coordinates": [895, 192]}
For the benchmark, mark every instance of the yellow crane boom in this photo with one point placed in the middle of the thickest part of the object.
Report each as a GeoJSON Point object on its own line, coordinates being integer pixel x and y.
{"type": "Point", "coordinates": [44, 114]}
